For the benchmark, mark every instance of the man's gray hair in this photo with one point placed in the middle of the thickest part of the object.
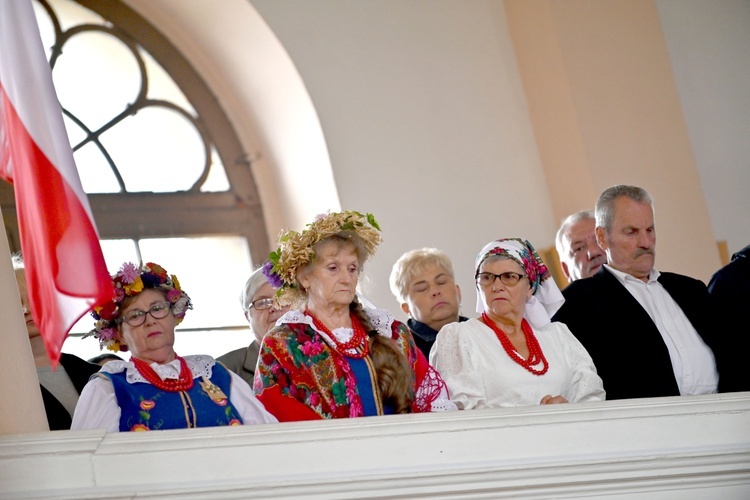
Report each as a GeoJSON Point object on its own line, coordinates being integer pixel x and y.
{"type": "Point", "coordinates": [253, 284]}
{"type": "Point", "coordinates": [605, 205]}
{"type": "Point", "coordinates": [569, 221]}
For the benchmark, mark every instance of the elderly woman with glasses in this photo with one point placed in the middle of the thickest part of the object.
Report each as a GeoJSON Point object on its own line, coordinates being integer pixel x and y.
{"type": "Point", "coordinates": [257, 299]}
{"type": "Point", "coordinates": [157, 389]}
{"type": "Point", "coordinates": [513, 355]}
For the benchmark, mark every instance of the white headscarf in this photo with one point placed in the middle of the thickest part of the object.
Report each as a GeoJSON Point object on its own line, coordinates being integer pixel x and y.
{"type": "Point", "coordinates": [546, 298]}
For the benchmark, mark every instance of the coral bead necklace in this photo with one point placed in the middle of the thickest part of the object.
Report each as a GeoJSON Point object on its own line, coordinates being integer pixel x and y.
{"type": "Point", "coordinates": [184, 383]}
{"type": "Point", "coordinates": [536, 355]}
{"type": "Point", "coordinates": [358, 343]}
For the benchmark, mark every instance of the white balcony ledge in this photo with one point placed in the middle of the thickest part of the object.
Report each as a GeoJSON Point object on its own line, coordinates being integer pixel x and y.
{"type": "Point", "coordinates": [691, 447]}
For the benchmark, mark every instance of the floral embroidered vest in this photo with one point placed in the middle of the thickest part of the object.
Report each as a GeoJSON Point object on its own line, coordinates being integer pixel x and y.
{"type": "Point", "coordinates": [144, 407]}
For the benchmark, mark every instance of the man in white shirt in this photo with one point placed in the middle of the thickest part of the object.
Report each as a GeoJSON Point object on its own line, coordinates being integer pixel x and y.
{"type": "Point", "coordinates": [649, 333]}
{"type": "Point", "coordinates": [579, 253]}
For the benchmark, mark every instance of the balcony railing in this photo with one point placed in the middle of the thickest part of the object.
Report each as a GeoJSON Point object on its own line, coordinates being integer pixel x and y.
{"type": "Point", "coordinates": [689, 447]}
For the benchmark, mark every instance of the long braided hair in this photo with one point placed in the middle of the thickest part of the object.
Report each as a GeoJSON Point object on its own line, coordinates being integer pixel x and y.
{"type": "Point", "coordinates": [395, 376]}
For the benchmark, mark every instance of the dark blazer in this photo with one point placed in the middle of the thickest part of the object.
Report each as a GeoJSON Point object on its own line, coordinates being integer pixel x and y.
{"type": "Point", "coordinates": [242, 361]}
{"type": "Point", "coordinates": [79, 371]}
{"type": "Point", "coordinates": [627, 348]}
{"type": "Point", "coordinates": [730, 287]}
{"type": "Point", "coordinates": [730, 290]}
{"type": "Point", "coordinates": [424, 336]}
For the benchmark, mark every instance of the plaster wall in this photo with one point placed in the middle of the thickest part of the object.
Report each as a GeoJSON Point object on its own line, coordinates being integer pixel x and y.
{"type": "Point", "coordinates": [709, 47]}
{"type": "Point", "coordinates": [418, 112]}
{"type": "Point", "coordinates": [426, 123]}
{"type": "Point", "coordinates": [606, 111]}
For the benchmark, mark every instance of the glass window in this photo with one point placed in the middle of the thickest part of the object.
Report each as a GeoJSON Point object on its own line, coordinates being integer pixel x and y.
{"type": "Point", "coordinates": [142, 124]}
{"type": "Point", "coordinates": [211, 270]}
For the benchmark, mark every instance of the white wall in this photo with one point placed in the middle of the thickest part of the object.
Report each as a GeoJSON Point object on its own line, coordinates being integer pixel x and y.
{"type": "Point", "coordinates": [709, 44]}
{"type": "Point", "coordinates": [426, 124]}
{"type": "Point", "coordinates": [414, 111]}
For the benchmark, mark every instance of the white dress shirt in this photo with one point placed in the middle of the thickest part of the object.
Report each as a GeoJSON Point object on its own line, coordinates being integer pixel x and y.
{"type": "Point", "coordinates": [693, 361]}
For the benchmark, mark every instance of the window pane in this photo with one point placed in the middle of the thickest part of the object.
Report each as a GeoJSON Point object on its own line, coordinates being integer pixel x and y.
{"type": "Point", "coordinates": [115, 253]}
{"type": "Point", "coordinates": [96, 77]}
{"type": "Point", "coordinates": [94, 171]}
{"type": "Point", "coordinates": [217, 177]}
{"type": "Point", "coordinates": [75, 133]}
{"type": "Point", "coordinates": [161, 86]}
{"type": "Point", "coordinates": [70, 14]}
{"type": "Point", "coordinates": [211, 270]}
{"type": "Point", "coordinates": [156, 150]}
{"type": "Point", "coordinates": [118, 251]}
{"type": "Point", "coordinates": [211, 342]}
{"type": "Point", "coordinates": [46, 28]}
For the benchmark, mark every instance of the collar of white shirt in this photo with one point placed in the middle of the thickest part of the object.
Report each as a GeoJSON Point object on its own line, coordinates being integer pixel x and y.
{"type": "Point", "coordinates": [653, 275]}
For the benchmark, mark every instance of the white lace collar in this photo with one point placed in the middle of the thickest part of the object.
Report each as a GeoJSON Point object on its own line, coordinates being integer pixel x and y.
{"type": "Point", "coordinates": [381, 320]}
{"type": "Point", "coordinates": [200, 366]}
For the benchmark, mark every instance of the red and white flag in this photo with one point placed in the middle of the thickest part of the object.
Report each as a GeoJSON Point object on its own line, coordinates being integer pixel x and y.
{"type": "Point", "coordinates": [65, 271]}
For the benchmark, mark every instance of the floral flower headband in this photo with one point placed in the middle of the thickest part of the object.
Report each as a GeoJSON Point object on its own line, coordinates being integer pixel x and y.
{"type": "Point", "coordinates": [129, 281]}
{"type": "Point", "coordinates": [296, 249]}
{"type": "Point", "coordinates": [523, 253]}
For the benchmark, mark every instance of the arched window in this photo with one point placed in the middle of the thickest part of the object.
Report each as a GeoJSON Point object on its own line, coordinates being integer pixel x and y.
{"type": "Point", "coordinates": [167, 178]}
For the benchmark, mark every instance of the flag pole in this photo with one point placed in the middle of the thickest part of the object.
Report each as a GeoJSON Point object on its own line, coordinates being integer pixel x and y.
{"type": "Point", "coordinates": [20, 397]}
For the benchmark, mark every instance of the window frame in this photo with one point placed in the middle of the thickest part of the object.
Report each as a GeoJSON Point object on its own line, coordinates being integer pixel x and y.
{"type": "Point", "coordinates": [238, 211]}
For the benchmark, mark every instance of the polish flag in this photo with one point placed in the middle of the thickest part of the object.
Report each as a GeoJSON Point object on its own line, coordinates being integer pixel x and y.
{"type": "Point", "coordinates": [65, 270]}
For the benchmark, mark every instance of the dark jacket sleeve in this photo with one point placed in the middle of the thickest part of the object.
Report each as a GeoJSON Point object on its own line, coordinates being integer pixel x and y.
{"type": "Point", "coordinates": [79, 370]}
{"type": "Point", "coordinates": [619, 335]}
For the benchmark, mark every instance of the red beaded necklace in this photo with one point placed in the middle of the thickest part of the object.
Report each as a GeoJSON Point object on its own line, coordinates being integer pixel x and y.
{"type": "Point", "coordinates": [358, 340]}
{"type": "Point", "coordinates": [184, 383]}
{"type": "Point", "coordinates": [536, 355]}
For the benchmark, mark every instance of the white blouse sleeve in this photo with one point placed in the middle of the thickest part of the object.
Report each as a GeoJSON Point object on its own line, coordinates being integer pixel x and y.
{"type": "Point", "coordinates": [97, 407]}
{"type": "Point", "coordinates": [247, 405]}
{"type": "Point", "coordinates": [585, 385]}
{"type": "Point", "coordinates": [451, 357]}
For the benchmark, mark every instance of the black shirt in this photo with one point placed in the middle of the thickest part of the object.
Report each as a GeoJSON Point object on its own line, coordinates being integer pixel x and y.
{"type": "Point", "coordinates": [424, 336]}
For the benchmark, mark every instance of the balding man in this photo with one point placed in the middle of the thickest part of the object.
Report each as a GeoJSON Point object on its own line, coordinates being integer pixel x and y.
{"type": "Point", "coordinates": [579, 253]}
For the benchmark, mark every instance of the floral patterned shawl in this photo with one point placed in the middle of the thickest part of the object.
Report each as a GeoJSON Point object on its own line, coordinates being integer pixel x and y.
{"type": "Point", "coordinates": [300, 376]}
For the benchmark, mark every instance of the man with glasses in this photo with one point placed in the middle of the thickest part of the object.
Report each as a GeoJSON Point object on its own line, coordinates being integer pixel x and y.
{"type": "Point", "coordinates": [257, 302]}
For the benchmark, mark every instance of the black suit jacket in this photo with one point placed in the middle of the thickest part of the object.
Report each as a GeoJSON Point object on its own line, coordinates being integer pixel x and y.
{"type": "Point", "coordinates": [627, 348]}
{"type": "Point", "coordinates": [730, 290]}
{"type": "Point", "coordinates": [79, 371]}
